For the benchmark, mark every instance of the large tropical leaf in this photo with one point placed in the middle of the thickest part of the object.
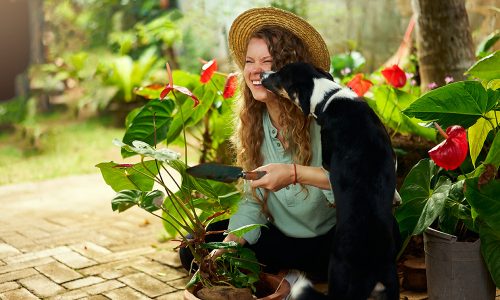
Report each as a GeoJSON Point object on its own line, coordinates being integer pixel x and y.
{"type": "Point", "coordinates": [125, 199]}
{"type": "Point", "coordinates": [415, 192]}
{"type": "Point", "coordinates": [459, 103]}
{"type": "Point", "coordinates": [150, 125]}
{"type": "Point", "coordinates": [389, 104]}
{"type": "Point", "coordinates": [485, 199]}
{"type": "Point", "coordinates": [490, 248]}
{"type": "Point", "coordinates": [478, 132]}
{"type": "Point", "coordinates": [487, 68]}
{"type": "Point", "coordinates": [129, 178]}
{"type": "Point", "coordinates": [434, 205]}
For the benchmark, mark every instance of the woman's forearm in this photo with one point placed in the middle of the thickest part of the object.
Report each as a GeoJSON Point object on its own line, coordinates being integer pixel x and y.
{"type": "Point", "coordinates": [314, 176]}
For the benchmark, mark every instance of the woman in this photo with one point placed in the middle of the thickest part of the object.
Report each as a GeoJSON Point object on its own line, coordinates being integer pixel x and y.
{"type": "Point", "coordinates": [294, 198]}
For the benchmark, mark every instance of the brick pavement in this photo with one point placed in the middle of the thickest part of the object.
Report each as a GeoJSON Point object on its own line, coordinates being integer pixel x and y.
{"type": "Point", "coordinates": [59, 239]}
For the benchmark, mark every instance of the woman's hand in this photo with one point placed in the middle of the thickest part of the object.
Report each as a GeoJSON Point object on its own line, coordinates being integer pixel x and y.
{"type": "Point", "coordinates": [229, 238]}
{"type": "Point", "coordinates": [281, 175]}
{"type": "Point", "coordinates": [277, 177]}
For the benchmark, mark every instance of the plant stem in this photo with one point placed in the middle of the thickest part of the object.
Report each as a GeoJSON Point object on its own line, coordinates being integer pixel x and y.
{"type": "Point", "coordinates": [183, 126]}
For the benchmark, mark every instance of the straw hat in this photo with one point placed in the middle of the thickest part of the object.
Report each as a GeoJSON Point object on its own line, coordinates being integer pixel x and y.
{"type": "Point", "coordinates": [254, 19]}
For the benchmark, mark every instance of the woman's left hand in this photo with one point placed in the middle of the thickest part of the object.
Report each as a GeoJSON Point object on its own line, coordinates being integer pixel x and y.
{"type": "Point", "coordinates": [277, 177]}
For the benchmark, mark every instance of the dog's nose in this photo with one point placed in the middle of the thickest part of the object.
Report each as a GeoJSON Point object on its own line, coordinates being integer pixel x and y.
{"type": "Point", "coordinates": [265, 74]}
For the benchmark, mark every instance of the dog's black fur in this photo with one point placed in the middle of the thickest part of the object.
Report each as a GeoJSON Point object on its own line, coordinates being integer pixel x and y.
{"type": "Point", "coordinates": [357, 151]}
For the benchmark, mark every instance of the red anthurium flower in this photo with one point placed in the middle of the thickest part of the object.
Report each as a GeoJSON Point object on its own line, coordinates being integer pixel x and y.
{"type": "Point", "coordinates": [451, 152]}
{"type": "Point", "coordinates": [359, 85]}
{"type": "Point", "coordinates": [395, 76]}
{"type": "Point", "coordinates": [208, 70]}
{"type": "Point", "coordinates": [230, 86]}
{"type": "Point", "coordinates": [170, 86]}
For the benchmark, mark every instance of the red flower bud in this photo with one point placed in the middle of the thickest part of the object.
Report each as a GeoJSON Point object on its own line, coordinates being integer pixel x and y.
{"type": "Point", "coordinates": [170, 87]}
{"type": "Point", "coordinates": [359, 85]}
{"type": "Point", "coordinates": [208, 70]}
{"type": "Point", "coordinates": [230, 86]}
{"type": "Point", "coordinates": [395, 76]}
{"type": "Point", "coordinates": [450, 153]}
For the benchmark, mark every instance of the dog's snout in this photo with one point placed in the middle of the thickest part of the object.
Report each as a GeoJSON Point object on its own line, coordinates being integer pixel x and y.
{"type": "Point", "coordinates": [265, 75]}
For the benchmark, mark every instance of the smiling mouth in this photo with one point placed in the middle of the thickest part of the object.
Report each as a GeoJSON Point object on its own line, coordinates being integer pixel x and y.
{"type": "Point", "coordinates": [256, 82]}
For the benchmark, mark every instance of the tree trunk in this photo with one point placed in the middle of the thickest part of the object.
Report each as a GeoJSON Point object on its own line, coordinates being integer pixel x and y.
{"type": "Point", "coordinates": [444, 42]}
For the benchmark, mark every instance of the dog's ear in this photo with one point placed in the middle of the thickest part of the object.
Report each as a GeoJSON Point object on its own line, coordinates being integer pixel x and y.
{"type": "Point", "coordinates": [328, 75]}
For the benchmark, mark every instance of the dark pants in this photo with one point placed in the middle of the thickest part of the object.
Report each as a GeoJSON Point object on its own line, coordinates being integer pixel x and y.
{"type": "Point", "coordinates": [278, 251]}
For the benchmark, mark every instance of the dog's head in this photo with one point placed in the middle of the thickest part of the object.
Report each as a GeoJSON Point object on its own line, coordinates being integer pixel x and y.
{"type": "Point", "coordinates": [299, 82]}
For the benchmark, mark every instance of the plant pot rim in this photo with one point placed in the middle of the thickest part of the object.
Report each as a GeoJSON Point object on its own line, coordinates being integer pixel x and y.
{"type": "Point", "coordinates": [283, 288]}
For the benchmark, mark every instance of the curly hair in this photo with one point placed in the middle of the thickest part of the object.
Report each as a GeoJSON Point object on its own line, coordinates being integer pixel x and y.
{"type": "Point", "coordinates": [248, 137]}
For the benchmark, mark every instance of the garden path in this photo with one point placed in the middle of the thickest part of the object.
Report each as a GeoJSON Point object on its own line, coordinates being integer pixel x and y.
{"type": "Point", "coordinates": [59, 239]}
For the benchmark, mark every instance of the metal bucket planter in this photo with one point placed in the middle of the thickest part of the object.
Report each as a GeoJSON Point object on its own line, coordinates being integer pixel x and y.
{"type": "Point", "coordinates": [455, 270]}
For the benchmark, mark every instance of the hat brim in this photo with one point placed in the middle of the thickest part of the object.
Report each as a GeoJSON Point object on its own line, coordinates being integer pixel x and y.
{"type": "Point", "coordinates": [254, 19]}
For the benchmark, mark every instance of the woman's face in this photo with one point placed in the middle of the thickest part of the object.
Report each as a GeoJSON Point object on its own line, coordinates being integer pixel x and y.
{"type": "Point", "coordinates": [257, 60]}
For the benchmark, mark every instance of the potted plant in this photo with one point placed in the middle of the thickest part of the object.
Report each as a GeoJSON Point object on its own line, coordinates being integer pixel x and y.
{"type": "Point", "coordinates": [187, 204]}
{"type": "Point", "coordinates": [455, 201]}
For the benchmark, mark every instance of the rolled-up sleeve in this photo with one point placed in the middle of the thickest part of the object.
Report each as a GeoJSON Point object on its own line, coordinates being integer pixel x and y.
{"type": "Point", "coordinates": [328, 193]}
{"type": "Point", "coordinates": [249, 212]}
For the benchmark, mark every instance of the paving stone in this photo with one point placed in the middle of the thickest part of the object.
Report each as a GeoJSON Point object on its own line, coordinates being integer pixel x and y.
{"type": "Point", "coordinates": [7, 286]}
{"type": "Point", "coordinates": [90, 250]}
{"type": "Point", "coordinates": [103, 287]}
{"type": "Point", "coordinates": [146, 284]}
{"type": "Point", "coordinates": [112, 266]}
{"type": "Point", "coordinates": [26, 264]}
{"type": "Point", "coordinates": [159, 271]}
{"type": "Point", "coordinates": [31, 232]}
{"type": "Point", "coordinates": [125, 293]}
{"type": "Point", "coordinates": [38, 254]}
{"type": "Point", "coordinates": [41, 286]}
{"type": "Point", "coordinates": [113, 274]}
{"type": "Point", "coordinates": [76, 284]}
{"type": "Point", "coordinates": [167, 257]}
{"type": "Point", "coordinates": [96, 297]}
{"type": "Point", "coordinates": [15, 275]}
{"type": "Point", "coordinates": [172, 296]}
{"type": "Point", "coordinates": [179, 283]}
{"type": "Point", "coordinates": [71, 295]}
{"type": "Point", "coordinates": [125, 254]}
{"type": "Point", "coordinates": [18, 294]}
{"type": "Point", "coordinates": [17, 240]}
{"type": "Point", "coordinates": [7, 250]}
{"type": "Point", "coordinates": [74, 260]}
{"type": "Point", "coordinates": [58, 272]}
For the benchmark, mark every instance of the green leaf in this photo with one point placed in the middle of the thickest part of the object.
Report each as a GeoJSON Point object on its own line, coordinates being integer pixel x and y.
{"type": "Point", "coordinates": [239, 232]}
{"type": "Point", "coordinates": [221, 245]}
{"type": "Point", "coordinates": [125, 199]}
{"type": "Point", "coordinates": [194, 280]}
{"type": "Point", "coordinates": [488, 42]}
{"type": "Point", "coordinates": [459, 103]}
{"type": "Point", "coordinates": [490, 249]}
{"type": "Point", "coordinates": [150, 201]}
{"type": "Point", "coordinates": [478, 132]}
{"type": "Point", "coordinates": [133, 178]}
{"type": "Point", "coordinates": [485, 200]}
{"type": "Point", "coordinates": [434, 205]}
{"type": "Point", "coordinates": [389, 104]}
{"type": "Point", "coordinates": [493, 156]}
{"type": "Point", "coordinates": [144, 149]}
{"type": "Point", "coordinates": [487, 68]}
{"type": "Point", "coordinates": [150, 125]}
{"type": "Point", "coordinates": [415, 192]}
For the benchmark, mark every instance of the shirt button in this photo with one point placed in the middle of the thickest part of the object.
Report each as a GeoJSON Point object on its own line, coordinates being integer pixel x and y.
{"type": "Point", "coordinates": [273, 131]}
{"type": "Point", "coordinates": [287, 187]}
{"type": "Point", "coordinates": [278, 144]}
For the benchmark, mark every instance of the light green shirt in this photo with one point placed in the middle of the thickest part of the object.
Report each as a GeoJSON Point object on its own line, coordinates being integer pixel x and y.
{"type": "Point", "coordinates": [295, 212]}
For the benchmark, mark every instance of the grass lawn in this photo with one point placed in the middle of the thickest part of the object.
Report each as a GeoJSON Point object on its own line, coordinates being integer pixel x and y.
{"type": "Point", "coordinates": [55, 147]}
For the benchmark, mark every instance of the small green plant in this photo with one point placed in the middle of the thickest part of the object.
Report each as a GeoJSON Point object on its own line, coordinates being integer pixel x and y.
{"type": "Point", "coordinates": [464, 202]}
{"type": "Point", "coordinates": [159, 182]}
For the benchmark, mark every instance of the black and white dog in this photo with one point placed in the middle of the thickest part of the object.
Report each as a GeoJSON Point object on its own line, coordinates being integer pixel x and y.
{"type": "Point", "coordinates": [357, 151]}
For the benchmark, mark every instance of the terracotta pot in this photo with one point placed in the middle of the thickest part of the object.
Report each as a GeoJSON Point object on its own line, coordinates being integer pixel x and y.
{"type": "Point", "coordinates": [277, 285]}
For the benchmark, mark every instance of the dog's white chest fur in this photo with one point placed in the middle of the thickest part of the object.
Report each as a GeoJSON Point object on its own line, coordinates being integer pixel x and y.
{"type": "Point", "coordinates": [323, 86]}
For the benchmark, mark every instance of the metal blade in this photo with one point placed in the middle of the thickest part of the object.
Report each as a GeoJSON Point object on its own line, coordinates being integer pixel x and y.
{"type": "Point", "coordinates": [218, 172]}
